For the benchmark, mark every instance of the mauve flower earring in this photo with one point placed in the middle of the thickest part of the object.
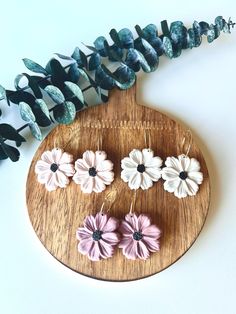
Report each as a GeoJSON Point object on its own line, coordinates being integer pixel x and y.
{"type": "Point", "coordinates": [182, 174]}
{"type": "Point", "coordinates": [54, 169]}
{"type": "Point", "coordinates": [141, 168]}
{"type": "Point", "coordinates": [98, 237]}
{"type": "Point", "coordinates": [139, 236]}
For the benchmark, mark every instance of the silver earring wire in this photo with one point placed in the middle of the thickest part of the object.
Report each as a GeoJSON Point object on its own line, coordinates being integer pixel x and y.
{"type": "Point", "coordinates": [110, 197]}
{"type": "Point", "coordinates": [190, 141]}
{"type": "Point", "coordinates": [147, 138]}
{"type": "Point", "coordinates": [132, 205]}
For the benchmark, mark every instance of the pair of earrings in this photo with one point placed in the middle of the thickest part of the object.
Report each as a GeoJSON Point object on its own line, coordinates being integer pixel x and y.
{"type": "Point", "coordinates": [102, 234]}
{"type": "Point", "coordinates": [92, 172]}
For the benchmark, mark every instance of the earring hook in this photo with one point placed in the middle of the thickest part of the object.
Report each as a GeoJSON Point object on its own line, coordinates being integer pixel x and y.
{"type": "Point", "coordinates": [147, 141]}
{"type": "Point", "coordinates": [110, 197]}
{"type": "Point", "coordinates": [190, 139]}
{"type": "Point", "coordinates": [132, 205]}
{"type": "Point", "coordinates": [99, 142]}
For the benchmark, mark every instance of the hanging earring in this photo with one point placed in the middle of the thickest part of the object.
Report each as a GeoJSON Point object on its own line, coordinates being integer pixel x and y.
{"type": "Point", "coordinates": [182, 174]}
{"type": "Point", "coordinates": [93, 171]}
{"type": "Point", "coordinates": [141, 168]}
{"type": "Point", "coordinates": [54, 168]}
{"type": "Point", "coordinates": [98, 237]}
{"type": "Point", "coordinates": [139, 236]}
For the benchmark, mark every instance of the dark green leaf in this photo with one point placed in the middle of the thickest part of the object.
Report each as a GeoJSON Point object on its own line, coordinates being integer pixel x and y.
{"type": "Point", "coordinates": [73, 73]}
{"type": "Point", "coordinates": [125, 77]}
{"type": "Point", "coordinates": [149, 54]}
{"type": "Point", "coordinates": [115, 37]}
{"type": "Point", "coordinates": [10, 133]}
{"type": "Point", "coordinates": [17, 96]}
{"type": "Point", "coordinates": [34, 67]}
{"type": "Point", "coordinates": [168, 47]}
{"type": "Point", "coordinates": [9, 151]}
{"type": "Point", "coordinates": [43, 106]}
{"type": "Point", "coordinates": [197, 34]}
{"type": "Point", "coordinates": [42, 82]}
{"type": "Point", "coordinates": [94, 61]}
{"type": "Point", "coordinates": [59, 75]}
{"type": "Point", "coordinates": [63, 57]}
{"type": "Point", "coordinates": [65, 113]}
{"type": "Point", "coordinates": [100, 46]}
{"type": "Point", "coordinates": [35, 130]}
{"type": "Point", "coordinates": [211, 33]}
{"type": "Point", "coordinates": [55, 93]}
{"type": "Point", "coordinates": [75, 89]}
{"type": "Point", "coordinates": [103, 79]}
{"type": "Point", "coordinates": [204, 27]}
{"type": "Point", "coordinates": [126, 38]}
{"type": "Point", "coordinates": [32, 83]}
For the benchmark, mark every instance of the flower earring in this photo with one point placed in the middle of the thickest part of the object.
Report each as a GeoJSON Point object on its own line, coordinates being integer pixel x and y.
{"type": "Point", "coordinates": [141, 168]}
{"type": "Point", "coordinates": [93, 171]}
{"type": "Point", "coordinates": [54, 169]}
{"type": "Point", "coordinates": [182, 174]}
{"type": "Point", "coordinates": [98, 237]}
{"type": "Point", "coordinates": [139, 236]}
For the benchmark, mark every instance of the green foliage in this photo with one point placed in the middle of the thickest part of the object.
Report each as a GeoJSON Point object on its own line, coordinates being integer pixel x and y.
{"type": "Point", "coordinates": [63, 84]}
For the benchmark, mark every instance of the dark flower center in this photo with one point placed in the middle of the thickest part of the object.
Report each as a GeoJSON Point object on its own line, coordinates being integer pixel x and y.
{"type": "Point", "coordinates": [92, 172]}
{"type": "Point", "coordinates": [141, 168]}
{"type": "Point", "coordinates": [97, 235]}
{"type": "Point", "coordinates": [183, 175]}
{"type": "Point", "coordinates": [137, 235]}
{"type": "Point", "coordinates": [54, 167]}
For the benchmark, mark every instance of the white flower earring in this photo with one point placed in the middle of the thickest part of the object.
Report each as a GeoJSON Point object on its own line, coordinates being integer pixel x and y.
{"type": "Point", "coordinates": [93, 171]}
{"type": "Point", "coordinates": [182, 174]}
{"type": "Point", "coordinates": [141, 168]}
{"type": "Point", "coordinates": [54, 169]}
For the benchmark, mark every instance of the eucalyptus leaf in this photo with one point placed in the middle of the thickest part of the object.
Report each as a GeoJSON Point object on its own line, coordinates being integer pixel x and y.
{"type": "Point", "coordinates": [94, 61]}
{"type": "Point", "coordinates": [115, 37]}
{"type": "Point", "coordinates": [34, 67]}
{"type": "Point", "coordinates": [58, 74]}
{"type": "Point", "coordinates": [55, 93]}
{"type": "Point", "coordinates": [35, 130]}
{"type": "Point", "coordinates": [167, 47]}
{"type": "Point", "coordinates": [26, 112]}
{"type": "Point", "coordinates": [7, 151]}
{"type": "Point", "coordinates": [32, 83]}
{"type": "Point", "coordinates": [65, 113]}
{"type": "Point", "coordinates": [73, 73]}
{"type": "Point", "coordinates": [126, 38]}
{"type": "Point", "coordinates": [43, 106]}
{"type": "Point", "coordinates": [75, 89]}
{"type": "Point", "coordinates": [10, 133]}
{"type": "Point", "coordinates": [103, 78]}
{"type": "Point", "coordinates": [63, 57]}
{"type": "Point", "coordinates": [17, 96]}
{"type": "Point", "coordinates": [99, 44]}
{"type": "Point", "coordinates": [125, 77]}
{"type": "Point", "coordinates": [2, 92]}
{"type": "Point", "coordinates": [17, 80]}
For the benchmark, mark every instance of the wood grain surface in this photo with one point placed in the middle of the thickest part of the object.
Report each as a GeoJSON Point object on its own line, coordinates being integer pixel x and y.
{"type": "Point", "coordinates": [121, 124]}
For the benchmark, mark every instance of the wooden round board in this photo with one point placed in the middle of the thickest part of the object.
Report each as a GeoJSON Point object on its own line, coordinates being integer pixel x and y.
{"type": "Point", "coordinates": [121, 124]}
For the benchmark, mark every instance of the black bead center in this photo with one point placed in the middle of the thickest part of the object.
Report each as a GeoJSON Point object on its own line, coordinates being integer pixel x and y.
{"type": "Point", "coordinates": [183, 175]}
{"type": "Point", "coordinates": [97, 235]}
{"type": "Point", "coordinates": [137, 235]}
{"type": "Point", "coordinates": [141, 168]}
{"type": "Point", "coordinates": [54, 167]}
{"type": "Point", "coordinates": [92, 172]}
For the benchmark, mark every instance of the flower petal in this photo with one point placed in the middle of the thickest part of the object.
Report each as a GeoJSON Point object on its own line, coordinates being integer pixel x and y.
{"type": "Point", "coordinates": [151, 232]}
{"type": "Point", "coordinates": [80, 177]}
{"type": "Point", "coordinates": [104, 165]}
{"type": "Point", "coordinates": [44, 176]}
{"type": "Point", "coordinates": [83, 234]}
{"type": "Point", "coordinates": [194, 165]}
{"type": "Point", "coordinates": [196, 176]}
{"type": "Point", "coordinates": [80, 165]}
{"type": "Point", "coordinates": [99, 185]}
{"type": "Point", "coordinates": [126, 228]}
{"type": "Point", "coordinates": [152, 244]}
{"type": "Point", "coordinates": [130, 251]}
{"type": "Point", "coordinates": [132, 219]}
{"type": "Point", "coordinates": [172, 185]}
{"type": "Point", "coordinates": [181, 191]}
{"type": "Point", "coordinates": [106, 250]}
{"type": "Point", "coordinates": [87, 185]}
{"type": "Point", "coordinates": [56, 155]}
{"type": "Point", "coordinates": [143, 222]}
{"type": "Point", "coordinates": [128, 163]}
{"type": "Point", "coordinates": [47, 157]}
{"type": "Point", "coordinates": [135, 181]}
{"type": "Point", "coordinates": [61, 179]}
{"type": "Point", "coordinates": [66, 158]}
{"type": "Point", "coordinates": [137, 156]}
{"type": "Point", "coordinates": [155, 162]}
{"type": "Point", "coordinates": [125, 241]}
{"type": "Point", "coordinates": [106, 176]}
{"type": "Point", "coordinates": [142, 250]}
{"type": "Point", "coordinates": [191, 187]}
{"type": "Point", "coordinates": [100, 156]}
{"type": "Point", "coordinates": [111, 225]}
{"type": "Point", "coordinates": [153, 173]}
{"type": "Point", "coordinates": [89, 158]}
{"type": "Point", "coordinates": [147, 155]}
{"type": "Point", "coordinates": [111, 238]}
{"type": "Point", "coordinates": [146, 182]}
{"type": "Point", "coordinates": [174, 163]}
{"type": "Point", "coordinates": [126, 174]}
{"type": "Point", "coordinates": [184, 161]}
{"type": "Point", "coordinates": [42, 166]}
{"type": "Point", "coordinates": [85, 246]}
{"type": "Point", "coordinates": [100, 221]}
{"type": "Point", "coordinates": [94, 253]}
{"type": "Point", "coordinates": [67, 169]}
{"type": "Point", "coordinates": [169, 173]}
{"type": "Point", "coordinates": [51, 183]}
{"type": "Point", "coordinates": [89, 223]}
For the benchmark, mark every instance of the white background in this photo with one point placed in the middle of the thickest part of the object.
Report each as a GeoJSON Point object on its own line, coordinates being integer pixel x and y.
{"type": "Point", "coordinates": [197, 89]}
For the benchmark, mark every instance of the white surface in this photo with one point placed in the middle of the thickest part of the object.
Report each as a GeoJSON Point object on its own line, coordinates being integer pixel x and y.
{"type": "Point", "coordinates": [198, 89]}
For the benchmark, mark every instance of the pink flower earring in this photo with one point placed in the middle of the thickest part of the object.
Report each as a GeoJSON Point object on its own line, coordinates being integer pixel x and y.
{"type": "Point", "coordinates": [98, 237]}
{"type": "Point", "coordinates": [139, 236]}
{"type": "Point", "coordinates": [93, 171]}
{"type": "Point", "coordinates": [54, 169]}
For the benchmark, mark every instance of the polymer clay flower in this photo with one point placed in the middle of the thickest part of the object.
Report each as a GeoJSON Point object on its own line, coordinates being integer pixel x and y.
{"type": "Point", "coordinates": [93, 171]}
{"type": "Point", "coordinates": [140, 237]}
{"type": "Point", "coordinates": [182, 176]}
{"type": "Point", "coordinates": [54, 168]}
{"type": "Point", "coordinates": [141, 169]}
{"type": "Point", "coordinates": [98, 237]}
